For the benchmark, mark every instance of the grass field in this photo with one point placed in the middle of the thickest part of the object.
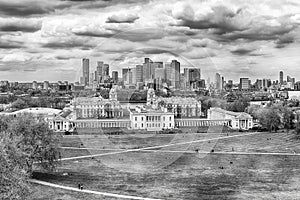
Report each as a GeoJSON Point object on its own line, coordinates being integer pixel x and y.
{"type": "Point", "coordinates": [166, 175]}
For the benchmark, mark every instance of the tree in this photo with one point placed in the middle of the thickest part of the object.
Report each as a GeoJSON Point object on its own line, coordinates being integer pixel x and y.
{"type": "Point", "coordinates": [288, 119]}
{"type": "Point", "coordinates": [13, 172]}
{"type": "Point", "coordinates": [25, 142]}
{"type": "Point", "coordinates": [19, 104]}
{"type": "Point", "coordinates": [269, 118]}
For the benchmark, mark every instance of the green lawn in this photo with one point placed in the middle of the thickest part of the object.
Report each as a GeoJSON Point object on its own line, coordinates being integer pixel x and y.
{"type": "Point", "coordinates": [180, 175]}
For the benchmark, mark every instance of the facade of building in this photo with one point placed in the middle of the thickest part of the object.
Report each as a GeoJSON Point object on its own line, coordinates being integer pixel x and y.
{"type": "Point", "coordinates": [218, 82]}
{"type": "Point", "coordinates": [97, 107]}
{"type": "Point", "coordinates": [244, 83]}
{"type": "Point", "coordinates": [281, 77]}
{"type": "Point", "coordinates": [85, 71]}
{"type": "Point", "coordinates": [115, 76]}
{"type": "Point", "coordinates": [181, 107]}
{"type": "Point", "coordinates": [151, 120]}
{"type": "Point", "coordinates": [237, 120]}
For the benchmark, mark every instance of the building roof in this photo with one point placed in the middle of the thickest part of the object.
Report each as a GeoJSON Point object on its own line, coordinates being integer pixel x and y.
{"type": "Point", "coordinates": [238, 115]}
{"type": "Point", "coordinates": [179, 100]}
{"type": "Point", "coordinates": [36, 111]}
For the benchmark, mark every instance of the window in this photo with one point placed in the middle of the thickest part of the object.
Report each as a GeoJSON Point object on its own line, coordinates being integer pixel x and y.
{"type": "Point", "coordinates": [163, 118]}
{"type": "Point", "coordinates": [142, 125]}
{"type": "Point", "coordinates": [135, 118]}
{"type": "Point", "coordinates": [135, 125]}
{"type": "Point", "coordinates": [170, 125]}
{"type": "Point", "coordinates": [170, 118]}
{"type": "Point", "coordinates": [142, 118]}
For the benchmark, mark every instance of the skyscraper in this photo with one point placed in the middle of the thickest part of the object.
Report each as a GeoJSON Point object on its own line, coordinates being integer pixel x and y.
{"type": "Point", "coordinates": [149, 70]}
{"type": "Point", "coordinates": [175, 65]}
{"type": "Point", "coordinates": [115, 76]}
{"type": "Point", "coordinates": [218, 80]}
{"type": "Point", "coordinates": [281, 77]}
{"type": "Point", "coordinates": [125, 75]}
{"type": "Point", "coordinates": [139, 73]}
{"type": "Point", "coordinates": [244, 83]}
{"type": "Point", "coordinates": [85, 71]}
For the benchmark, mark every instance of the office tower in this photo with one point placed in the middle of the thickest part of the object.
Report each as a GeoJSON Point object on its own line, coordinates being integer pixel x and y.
{"type": "Point", "coordinates": [99, 70]}
{"type": "Point", "coordinates": [91, 81]}
{"type": "Point", "coordinates": [258, 84]}
{"type": "Point", "coordinates": [175, 65]}
{"type": "Point", "coordinates": [186, 80]}
{"type": "Point", "coordinates": [85, 71]}
{"type": "Point", "coordinates": [125, 75]}
{"type": "Point", "coordinates": [132, 76]}
{"type": "Point", "coordinates": [149, 70]}
{"type": "Point", "coordinates": [244, 83]}
{"type": "Point", "coordinates": [281, 77]}
{"type": "Point", "coordinates": [46, 85]}
{"type": "Point", "coordinates": [173, 74]}
{"type": "Point", "coordinates": [34, 85]}
{"type": "Point", "coordinates": [194, 74]}
{"type": "Point", "coordinates": [139, 73]}
{"type": "Point", "coordinates": [222, 82]}
{"type": "Point", "coordinates": [160, 76]}
{"type": "Point", "coordinates": [115, 76]}
{"type": "Point", "coordinates": [218, 80]}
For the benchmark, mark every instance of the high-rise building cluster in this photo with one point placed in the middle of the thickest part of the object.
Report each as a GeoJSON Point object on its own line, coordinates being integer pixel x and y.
{"type": "Point", "coordinates": [100, 75]}
{"type": "Point", "coordinates": [161, 75]}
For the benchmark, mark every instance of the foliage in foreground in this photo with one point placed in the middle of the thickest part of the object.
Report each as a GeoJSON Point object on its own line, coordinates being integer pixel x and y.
{"type": "Point", "coordinates": [25, 143]}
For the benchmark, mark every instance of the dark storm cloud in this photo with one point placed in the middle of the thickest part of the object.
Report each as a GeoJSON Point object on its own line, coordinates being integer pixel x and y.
{"type": "Point", "coordinates": [259, 33]}
{"type": "Point", "coordinates": [94, 33]}
{"type": "Point", "coordinates": [284, 41]}
{"type": "Point", "coordinates": [221, 18]}
{"type": "Point", "coordinates": [241, 51]}
{"type": "Point", "coordinates": [122, 18]}
{"type": "Point", "coordinates": [13, 25]}
{"type": "Point", "coordinates": [106, 3]}
{"type": "Point", "coordinates": [64, 57]}
{"type": "Point", "coordinates": [12, 28]}
{"type": "Point", "coordinates": [24, 8]}
{"type": "Point", "coordinates": [69, 44]}
{"type": "Point", "coordinates": [153, 51]}
{"type": "Point", "coordinates": [10, 44]}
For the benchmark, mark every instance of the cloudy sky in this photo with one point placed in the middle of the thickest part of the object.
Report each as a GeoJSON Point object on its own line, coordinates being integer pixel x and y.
{"type": "Point", "coordinates": [45, 40]}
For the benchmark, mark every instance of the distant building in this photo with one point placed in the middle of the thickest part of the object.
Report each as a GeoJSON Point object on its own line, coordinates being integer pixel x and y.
{"type": "Point", "coordinates": [244, 83]}
{"type": "Point", "coordinates": [218, 82]}
{"type": "Point", "coordinates": [181, 107]}
{"type": "Point", "coordinates": [46, 85]}
{"type": "Point", "coordinates": [151, 120]}
{"type": "Point", "coordinates": [238, 120]}
{"type": "Point", "coordinates": [85, 71]}
{"type": "Point", "coordinates": [34, 85]}
{"type": "Point", "coordinates": [115, 76]}
{"type": "Point", "coordinates": [281, 77]}
{"type": "Point", "coordinates": [139, 73]}
{"type": "Point", "coordinates": [97, 107]}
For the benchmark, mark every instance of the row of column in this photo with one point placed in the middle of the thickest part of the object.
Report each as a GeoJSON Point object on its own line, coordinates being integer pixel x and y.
{"type": "Point", "coordinates": [181, 123]}
{"type": "Point", "coordinates": [102, 124]}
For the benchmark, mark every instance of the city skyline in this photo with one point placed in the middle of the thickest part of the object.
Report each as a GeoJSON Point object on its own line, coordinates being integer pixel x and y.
{"type": "Point", "coordinates": [43, 40]}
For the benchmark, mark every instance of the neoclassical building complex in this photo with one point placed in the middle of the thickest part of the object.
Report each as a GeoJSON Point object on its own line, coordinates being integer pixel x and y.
{"type": "Point", "coordinates": [151, 119]}
{"type": "Point", "coordinates": [97, 107]}
{"type": "Point", "coordinates": [236, 120]}
{"type": "Point", "coordinates": [182, 107]}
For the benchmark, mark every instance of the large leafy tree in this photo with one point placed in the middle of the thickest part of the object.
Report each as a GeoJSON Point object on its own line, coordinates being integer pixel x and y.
{"type": "Point", "coordinates": [26, 143]}
{"type": "Point", "coordinates": [13, 171]}
{"type": "Point", "coordinates": [269, 118]}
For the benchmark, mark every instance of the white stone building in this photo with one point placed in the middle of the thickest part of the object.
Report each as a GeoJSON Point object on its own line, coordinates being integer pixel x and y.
{"type": "Point", "coordinates": [237, 120]}
{"type": "Point", "coordinates": [151, 120]}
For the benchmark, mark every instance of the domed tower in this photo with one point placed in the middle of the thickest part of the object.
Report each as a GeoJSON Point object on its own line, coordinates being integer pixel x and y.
{"type": "Point", "coordinates": [151, 98]}
{"type": "Point", "coordinates": [113, 94]}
